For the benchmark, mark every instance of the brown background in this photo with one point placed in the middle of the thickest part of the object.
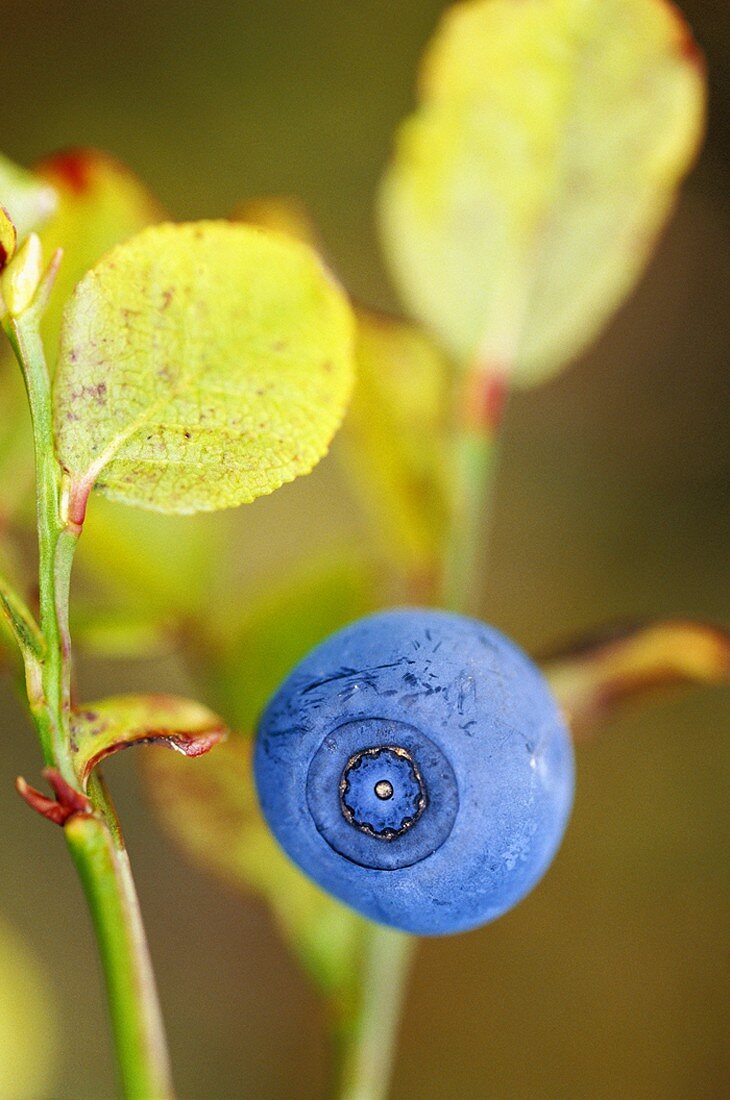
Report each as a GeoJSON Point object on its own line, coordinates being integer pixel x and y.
{"type": "Point", "coordinates": [612, 978]}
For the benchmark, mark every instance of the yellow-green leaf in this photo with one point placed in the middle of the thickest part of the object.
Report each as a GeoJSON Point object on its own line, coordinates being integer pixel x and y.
{"type": "Point", "coordinates": [280, 627]}
{"type": "Point", "coordinates": [202, 365]}
{"type": "Point", "coordinates": [284, 214]}
{"type": "Point", "coordinates": [100, 729]}
{"type": "Point", "coordinates": [395, 438]}
{"type": "Point", "coordinates": [595, 678]}
{"type": "Point", "coordinates": [163, 566]}
{"type": "Point", "coordinates": [28, 200]}
{"type": "Point", "coordinates": [100, 203]}
{"type": "Point", "coordinates": [213, 812]}
{"type": "Point", "coordinates": [527, 191]}
{"type": "Point", "coordinates": [394, 435]}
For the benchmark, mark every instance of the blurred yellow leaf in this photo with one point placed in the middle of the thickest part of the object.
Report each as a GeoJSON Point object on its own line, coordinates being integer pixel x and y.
{"type": "Point", "coordinates": [284, 214]}
{"type": "Point", "coordinates": [395, 438]}
{"type": "Point", "coordinates": [100, 203]}
{"type": "Point", "coordinates": [527, 190]}
{"type": "Point", "coordinates": [212, 810]}
{"type": "Point", "coordinates": [592, 680]}
{"type": "Point", "coordinates": [201, 366]}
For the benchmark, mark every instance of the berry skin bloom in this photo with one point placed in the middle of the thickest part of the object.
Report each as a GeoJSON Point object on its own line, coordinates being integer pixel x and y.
{"type": "Point", "coordinates": [416, 766]}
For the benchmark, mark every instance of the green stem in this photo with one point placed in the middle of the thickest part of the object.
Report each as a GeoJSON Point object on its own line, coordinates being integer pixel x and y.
{"type": "Point", "coordinates": [368, 1045]}
{"type": "Point", "coordinates": [51, 711]}
{"type": "Point", "coordinates": [478, 416]}
{"type": "Point", "coordinates": [95, 840]}
{"type": "Point", "coordinates": [106, 876]}
{"type": "Point", "coordinates": [475, 459]}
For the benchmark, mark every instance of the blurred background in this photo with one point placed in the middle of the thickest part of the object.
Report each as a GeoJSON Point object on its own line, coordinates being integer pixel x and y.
{"type": "Point", "coordinates": [613, 978]}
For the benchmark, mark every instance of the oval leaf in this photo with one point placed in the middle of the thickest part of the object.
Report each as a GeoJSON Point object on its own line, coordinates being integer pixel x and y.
{"type": "Point", "coordinates": [103, 728]}
{"type": "Point", "coordinates": [201, 366]}
{"type": "Point", "coordinates": [526, 193]}
{"type": "Point", "coordinates": [594, 679]}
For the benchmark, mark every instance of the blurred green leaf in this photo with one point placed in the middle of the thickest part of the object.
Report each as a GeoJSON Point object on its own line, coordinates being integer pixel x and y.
{"type": "Point", "coordinates": [100, 203]}
{"type": "Point", "coordinates": [527, 191]}
{"type": "Point", "coordinates": [213, 812]}
{"type": "Point", "coordinates": [117, 633]}
{"type": "Point", "coordinates": [595, 678]}
{"type": "Point", "coordinates": [163, 566]}
{"type": "Point", "coordinates": [280, 628]}
{"type": "Point", "coordinates": [395, 439]}
{"type": "Point", "coordinates": [29, 201]}
{"type": "Point", "coordinates": [28, 1022]}
{"type": "Point", "coordinates": [100, 729]}
{"type": "Point", "coordinates": [201, 366]}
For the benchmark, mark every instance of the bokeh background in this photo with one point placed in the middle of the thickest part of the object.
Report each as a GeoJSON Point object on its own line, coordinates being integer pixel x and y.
{"type": "Point", "coordinates": [613, 978]}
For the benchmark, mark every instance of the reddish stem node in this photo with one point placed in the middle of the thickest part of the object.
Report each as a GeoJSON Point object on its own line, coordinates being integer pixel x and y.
{"type": "Point", "coordinates": [485, 399]}
{"type": "Point", "coordinates": [68, 802]}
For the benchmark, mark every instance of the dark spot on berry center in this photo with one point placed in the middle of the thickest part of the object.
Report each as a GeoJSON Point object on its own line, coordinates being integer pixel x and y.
{"type": "Point", "coordinates": [382, 792]}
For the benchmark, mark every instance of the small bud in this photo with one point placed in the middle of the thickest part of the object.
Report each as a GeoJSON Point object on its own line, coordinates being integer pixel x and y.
{"type": "Point", "coordinates": [19, 282]}
{"type": "Point", "coordinates": [8, 238]}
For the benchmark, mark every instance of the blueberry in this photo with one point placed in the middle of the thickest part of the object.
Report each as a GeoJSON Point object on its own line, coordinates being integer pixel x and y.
{"type": "Point", "coordinates": [416, 766]}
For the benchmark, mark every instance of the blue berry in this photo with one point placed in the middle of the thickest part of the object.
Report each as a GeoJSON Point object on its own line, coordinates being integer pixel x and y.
{"type": "Point", "coordinates": [416, 766]}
